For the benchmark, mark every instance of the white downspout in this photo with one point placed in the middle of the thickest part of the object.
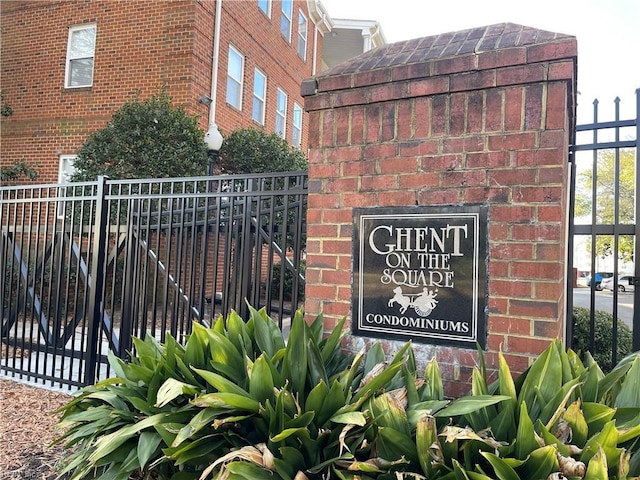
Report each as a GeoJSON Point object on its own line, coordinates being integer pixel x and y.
{"type": "Point", "coordinates": [315, 49]}
{"type": "Point", "coordinates": [214, 63]}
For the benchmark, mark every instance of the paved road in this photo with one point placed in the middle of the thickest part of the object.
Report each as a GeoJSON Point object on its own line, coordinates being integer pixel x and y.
{"type": "Point", "coordinates": [604, 301]}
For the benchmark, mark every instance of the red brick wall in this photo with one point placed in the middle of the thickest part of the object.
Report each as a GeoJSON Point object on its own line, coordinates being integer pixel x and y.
{"type": "Point", "coordinates": [140, 46]}
{"type": "Point", "coordinates": [258, 38]}
{"type": "Point", "coordinates": [489, 126]}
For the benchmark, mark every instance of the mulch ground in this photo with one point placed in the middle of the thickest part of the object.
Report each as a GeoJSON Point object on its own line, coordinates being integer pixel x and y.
{"type": "Point", "coordinates": [26, 431]}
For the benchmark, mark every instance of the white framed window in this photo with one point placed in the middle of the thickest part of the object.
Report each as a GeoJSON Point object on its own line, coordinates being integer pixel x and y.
{"type": "Point", "coordinates": [265, 6]}
{"type": "Point", "coordinates": [285, 19]}
{"type": "Point", "coordinates": [81, 48]}
{"type": "Point", "coordinates": [259, 96]}
{"type": "Point", "coordinates": [66, 168]}
{"type": "Point", "coordinates": [281, 113]}
{"type": "Point", "coordinates": [296, 133]}
{"type": "Point", "coordinates": [235, 74]}
{"type": "Point", "coordinates": [65, 171]}
{"type": "Point", "coordinates": [302, 36]}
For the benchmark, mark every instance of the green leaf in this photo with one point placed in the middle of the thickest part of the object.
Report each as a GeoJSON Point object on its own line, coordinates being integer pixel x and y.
{"type": "Point", "coordinates": [579, 428]}
{"type": "Point", "coordinates": [629, 430]}
{"type": "Point", "coordinates": [205, 447]}
{"type": "Point", "coordinates": [501, 468]}
{"type": "Point", "coordinates": [607, 440]}
{"type": "Point", "coordinates": [421, 409]}
{"type": "Point", "coordinates": [316, 397]}
{"type": "Point", "coordinates": [332, 403]}
{"type": "Point", "coordinates": [479, 419]}
{"type": "Point", "coordinates": [389, 413]}
{"type": "Point", "coordinates": [616, 376]}
{"type": "Point", "coordinates": [393, 445]}
{"type": "Point", "coordinates": [375, 355]}
{"type": "Point", "coordinates": [267, 334]}
{"type": "Point", "coordinates": [350, 418]}
{"type": "Point", "coordinates": [525, 436]}
{"type": "Point", "coordinates": [426, 435]}
{"type": "Point", "coordinates": [220, 383]}
{"type": "Point", "coordinates": [227, 400]}
{"type": "Point", "coordinates": [246, 471]}
{"type": "Point", "coordinates": [597, 467]}
{"type": "Point", "coordinates": [172, 389]}
{"type": "Point", "coordinates": [317, 372]}
{"type": "Point", "coordinates": [288, 432]}
{"type": "Point", "coordinates": [542, 381]}
{"type": "Point", "coordinates": [433, 377]}
{"type": "Point", "coordinates": [466, 405]}
{"type": "Point", "coordinates": [110, 442]}
{"type": "Point", "coordinates": [550, 439]}
{"type": "Point", "coordinates": [589, 380]}
{"type": "Point", "coordinates": [597, 416]}
{"type": "Point", "coordinates": [261, 382]}
{"type": "Point", "coordinates": [629, 394]}
{"type": "Point", "coordinates": [291, 462]}
{"type": "Point", "coordinates": [504, 424]}
{"type": "Point", "coordinates": [238, 333]}
{"type": "Point", "coordinates": [200, 420]}
{"type": "Point", "coordinates": [540, 463]}
{"type": "Point", "coordinates": [196, 346]}
{"type": "Point", "coordinates": [505, 380]}
{"type": "Point", "coordinates": [332, 342]}
{"type": "Point", "coordinates": [377, 382]}
{"type": "Point", "coordinates": [147, 446]}
{"type": "Point", "coordinates": [226, 358]}
{"type": "Point", "coordinates": [555, 407]}
{"type": "Point", "coordinates": [296, 355]}
{"type": "Point", "coordinates": [303, 420]}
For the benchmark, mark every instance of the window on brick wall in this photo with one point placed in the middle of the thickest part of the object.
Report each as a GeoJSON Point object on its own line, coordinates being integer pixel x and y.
{"type": "Point", "coordinates": [65, 170]}
{"type": "Point", "coordinates": [81, 47]}
{"type": "Point", "coordinates": [281, 113]}
{"type": "Point", "coordinates": [235, 70]}
{"type": "Point", "coordinates": [259, 96]}
{"type": "Point", "coordinates": [265, 6]}
{"type": "Point", "coordinates": [302, 36]}
{"type": "Point", "coordinates": [285, 19]}
{"type": "Point", "coordinates": [296, 133]}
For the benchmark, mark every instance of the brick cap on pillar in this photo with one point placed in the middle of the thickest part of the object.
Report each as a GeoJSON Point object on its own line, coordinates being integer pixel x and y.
{"type": "Point", "coordinates": [475, 49]}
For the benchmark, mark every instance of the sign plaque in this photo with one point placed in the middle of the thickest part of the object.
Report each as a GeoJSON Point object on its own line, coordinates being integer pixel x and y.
{"type": "Point", "coordinates": [420, 274]}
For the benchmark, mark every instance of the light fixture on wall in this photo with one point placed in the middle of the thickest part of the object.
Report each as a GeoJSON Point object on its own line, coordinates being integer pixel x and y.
{"type": "Point", "coordinates": [205, 99]}
{"type": "Point", "coordinates": [213, 139]}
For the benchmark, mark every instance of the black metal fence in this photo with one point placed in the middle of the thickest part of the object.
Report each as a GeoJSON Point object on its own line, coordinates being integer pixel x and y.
{"type": "Point", "coordinates": [85, 266]}
{"type": "Point", "coordinates": [604, 226]}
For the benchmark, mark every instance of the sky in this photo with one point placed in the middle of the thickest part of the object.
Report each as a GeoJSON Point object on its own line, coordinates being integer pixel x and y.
{"type": "Point", "coordinates": [607, 31]}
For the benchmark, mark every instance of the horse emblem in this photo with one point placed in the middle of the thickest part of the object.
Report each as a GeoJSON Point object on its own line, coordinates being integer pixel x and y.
{"type": "Point", "coordinates": [422, 303]}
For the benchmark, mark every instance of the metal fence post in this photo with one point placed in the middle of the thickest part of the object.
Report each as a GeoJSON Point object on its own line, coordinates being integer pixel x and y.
{"type": "Point", "coordinates": [636, 293]}
{"type": "Point", "coordinates": [96, 294]}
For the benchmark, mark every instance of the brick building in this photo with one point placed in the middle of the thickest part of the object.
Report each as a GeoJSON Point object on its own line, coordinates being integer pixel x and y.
{"type": "Point", "coordinates": [68, 65]}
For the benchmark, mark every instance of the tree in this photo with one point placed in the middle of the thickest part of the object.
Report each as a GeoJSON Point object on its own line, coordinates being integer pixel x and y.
{"type": "Point", "coordinates": [144, 139]}
{"type": "Point", "coordinates": [249, 150]}
{"type": "Point", "coordinates": [605, 199]}
{"type": "Point", "coordinates": [12, 172]}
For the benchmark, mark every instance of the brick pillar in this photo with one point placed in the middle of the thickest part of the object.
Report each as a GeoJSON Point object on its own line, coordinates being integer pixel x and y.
{"type": "Point", "coordinates": [481, 116]}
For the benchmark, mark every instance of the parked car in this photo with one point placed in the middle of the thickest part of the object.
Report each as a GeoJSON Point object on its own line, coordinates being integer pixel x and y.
{"type": "Point", "coordinates": [624, 284]}
{"type": "Point", "coordinates": [599, 277]}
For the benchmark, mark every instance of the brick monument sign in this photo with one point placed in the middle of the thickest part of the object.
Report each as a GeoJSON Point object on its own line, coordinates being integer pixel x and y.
{"type": "Point", "coordinates": [438, 195]}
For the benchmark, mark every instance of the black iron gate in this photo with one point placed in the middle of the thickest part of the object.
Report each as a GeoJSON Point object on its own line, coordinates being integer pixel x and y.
{"type": "Point", "coordinates": [605, 231]}
{"type": "Point", "coordinates": [85, 266]}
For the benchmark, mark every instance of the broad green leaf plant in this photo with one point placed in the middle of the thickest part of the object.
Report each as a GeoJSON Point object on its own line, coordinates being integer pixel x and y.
{"type": "Point", "coordinates": [238, 401]}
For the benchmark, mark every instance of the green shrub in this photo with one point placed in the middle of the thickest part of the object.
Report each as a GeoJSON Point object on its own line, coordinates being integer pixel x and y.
{"type": "Point", "coordinates": [251, 150]}
{"type": "Point", "coordinates": [603, 332]}
{"type": "Point", "coordinates": [144, 139]}
{"type": "Point", "coordinates": [288, 281]}
{"type": "Point", "coordinates": [238, 402]}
